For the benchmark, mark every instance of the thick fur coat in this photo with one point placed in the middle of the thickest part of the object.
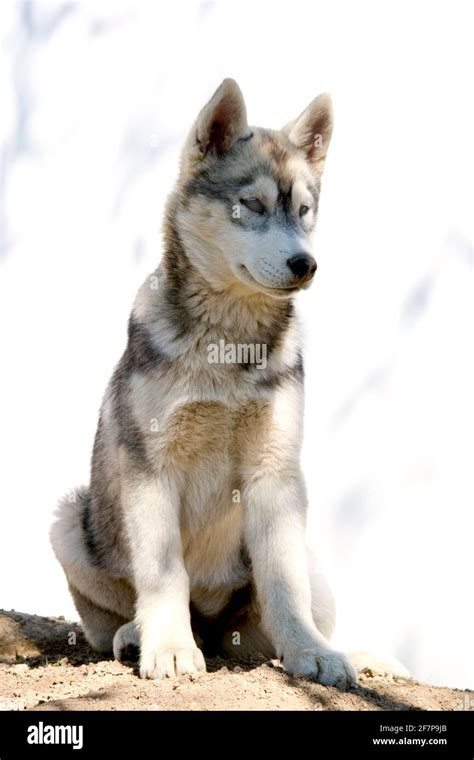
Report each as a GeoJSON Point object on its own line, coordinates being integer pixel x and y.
{"type": "Point", "coordinates": [192, 529]}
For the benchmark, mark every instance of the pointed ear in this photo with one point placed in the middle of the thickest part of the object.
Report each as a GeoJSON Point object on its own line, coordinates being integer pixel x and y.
{"type": "Point", "coordinates": [222, 121]}
{"type": "Point", "coordinates": [312, 131]}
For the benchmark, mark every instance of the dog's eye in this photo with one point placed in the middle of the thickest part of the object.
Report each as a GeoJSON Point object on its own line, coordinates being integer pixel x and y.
{"type": "Point", "coordinates": [253, 204]}
{"type": "Point", "coordinates": [304, 210]}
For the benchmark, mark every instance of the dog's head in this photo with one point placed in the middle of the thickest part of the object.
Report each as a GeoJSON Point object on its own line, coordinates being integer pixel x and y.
{"type": "Point", "coordinates": [247, 197]}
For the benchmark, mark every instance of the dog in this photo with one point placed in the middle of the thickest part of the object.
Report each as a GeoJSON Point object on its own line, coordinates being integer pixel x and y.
{"type": "Point", "coordinates": [192, 530]}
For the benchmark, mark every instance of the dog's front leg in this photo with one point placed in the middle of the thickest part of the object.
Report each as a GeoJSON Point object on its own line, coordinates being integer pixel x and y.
{"type": "Point", "coordinates": [275, 536]}
{"type": "Point", "coordinates": [167, 645]}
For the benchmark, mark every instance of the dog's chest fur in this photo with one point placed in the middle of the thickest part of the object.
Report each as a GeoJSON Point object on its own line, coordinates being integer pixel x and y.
{"type": "Point", "coordinates": [169, 411]}
{"type": "Point", "coordinates": [198, 422]}
{"type": "Point", "coordinates": [199, 417]}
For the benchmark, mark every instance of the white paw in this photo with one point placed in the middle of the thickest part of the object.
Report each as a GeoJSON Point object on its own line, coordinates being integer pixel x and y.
{"type": "Point", "coordinates": [171, 662]}
{"type": "Point", "coordinates": [127, 635]}
{"type": "Point", "coordinates": [325, 666]}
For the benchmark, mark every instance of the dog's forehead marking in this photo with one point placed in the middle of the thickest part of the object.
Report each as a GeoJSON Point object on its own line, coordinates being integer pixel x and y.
{"type": "Point", "coordinates": [264, 187]}
{"type": "Point", "coordinates": [267, 166]}
{"type": "Point", "coordinates": [285, 161]}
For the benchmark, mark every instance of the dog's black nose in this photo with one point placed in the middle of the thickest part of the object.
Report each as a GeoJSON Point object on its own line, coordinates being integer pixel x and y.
{"type": "Point", "coordinates": [302, 264]}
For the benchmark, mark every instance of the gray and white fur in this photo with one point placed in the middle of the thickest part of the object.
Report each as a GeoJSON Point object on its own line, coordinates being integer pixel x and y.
{"type": "Point", "coordinates": [193, 526]}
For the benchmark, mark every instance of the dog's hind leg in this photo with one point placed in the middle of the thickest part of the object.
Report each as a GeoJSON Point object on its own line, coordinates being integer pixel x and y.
{"type": "Point", "coordinates": [100, 625]}
{"type": "Point", "coordinates": [105, 631]}
{"type": "Point", "coordinates": [105, 604]}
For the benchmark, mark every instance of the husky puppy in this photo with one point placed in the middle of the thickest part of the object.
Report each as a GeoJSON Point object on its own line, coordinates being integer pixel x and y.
{"type": "Point", "coordinates": [193, 526]}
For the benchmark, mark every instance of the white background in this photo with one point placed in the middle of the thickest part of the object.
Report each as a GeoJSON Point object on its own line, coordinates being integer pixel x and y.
{"type": "Point", "coordinates": [96, 99]}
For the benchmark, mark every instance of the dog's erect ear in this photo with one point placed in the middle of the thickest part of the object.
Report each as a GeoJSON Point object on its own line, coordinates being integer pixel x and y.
{"type": "Point", "coordinates": [312, 131]}
{"type": "Point", "coordinates": [222, 121]}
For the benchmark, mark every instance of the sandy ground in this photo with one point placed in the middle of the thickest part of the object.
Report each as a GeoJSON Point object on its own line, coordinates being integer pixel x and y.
{"type": "Point", "coordinates": [45, 664]}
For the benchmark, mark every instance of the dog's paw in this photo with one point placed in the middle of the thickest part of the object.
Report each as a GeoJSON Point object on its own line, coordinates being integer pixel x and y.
{"type": "Point", "coordinates": [171, 662]}
{"type": "Point", "coordinates": [327, 667]}
{"type": "Point", "coordinates": [126, 636]}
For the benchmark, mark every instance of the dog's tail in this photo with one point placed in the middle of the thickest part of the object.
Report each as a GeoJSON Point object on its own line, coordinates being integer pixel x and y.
{"type": "Point", "coordinates": [68, 528]}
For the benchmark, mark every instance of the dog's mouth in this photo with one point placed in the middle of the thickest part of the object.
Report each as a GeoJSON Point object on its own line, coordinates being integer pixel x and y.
{"type": "Point", "coordinates": [276, 292]}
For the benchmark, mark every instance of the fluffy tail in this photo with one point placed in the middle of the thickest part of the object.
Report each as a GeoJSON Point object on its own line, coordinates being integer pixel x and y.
{"type": "Point", "coordinates": [66, 532]}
